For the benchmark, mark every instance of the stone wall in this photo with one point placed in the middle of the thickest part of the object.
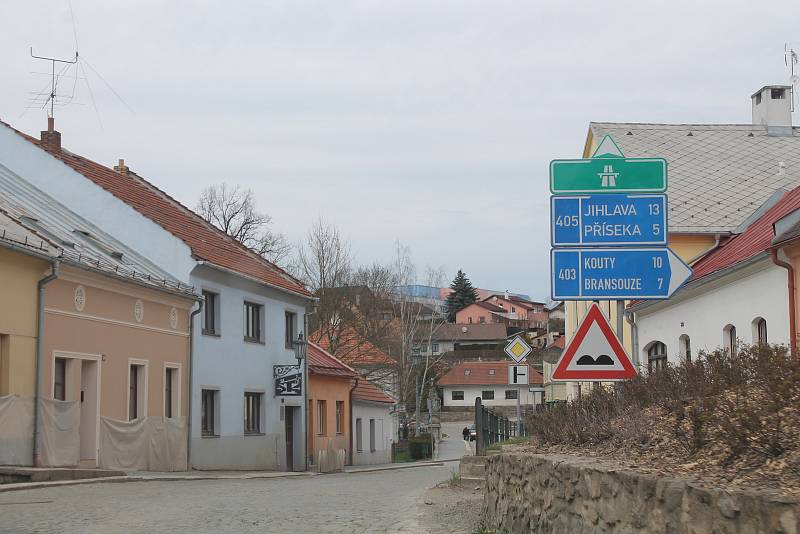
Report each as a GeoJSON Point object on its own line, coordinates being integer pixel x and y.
{"type": "Point", "coordinates": [568, 494]}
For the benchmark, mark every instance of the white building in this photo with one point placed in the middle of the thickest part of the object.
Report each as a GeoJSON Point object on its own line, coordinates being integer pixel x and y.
{"type": "Point", "coordinates": [488, 381]}
{"type": "Point", "coordinates": [374, 425]}
{"type": "Point", "coordinates": [737, 294]}
{"type": "Point", "coordinates": [253, 308]}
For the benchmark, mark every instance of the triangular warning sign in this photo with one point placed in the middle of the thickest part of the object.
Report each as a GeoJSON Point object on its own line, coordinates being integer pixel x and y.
{"type": "Point", "coordinates": [594, 353]}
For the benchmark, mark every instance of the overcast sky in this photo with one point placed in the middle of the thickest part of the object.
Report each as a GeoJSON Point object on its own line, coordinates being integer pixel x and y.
{"type": "Point", "coordinates": [428, 122]}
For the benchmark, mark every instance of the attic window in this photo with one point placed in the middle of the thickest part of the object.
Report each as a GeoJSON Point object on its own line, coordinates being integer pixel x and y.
{"type": "Point", "coordinates": [36, 225]}
{"type": "Point", "coordinates": [777, 94]}
{"type": "Point", "coordinates": [100, 245]}
{"type": "Point", "coordinates": [466, 372]}
{"type": "Point", "coordinates": [491, 371]}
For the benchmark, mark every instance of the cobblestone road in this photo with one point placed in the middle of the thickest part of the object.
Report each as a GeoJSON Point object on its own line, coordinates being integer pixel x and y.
{"type": "Point", "coordinates": [383, 501]}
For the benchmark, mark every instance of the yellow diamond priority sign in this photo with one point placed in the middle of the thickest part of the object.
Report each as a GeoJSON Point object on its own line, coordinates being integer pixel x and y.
{"type": "Point", "coordinates": [517, 349]}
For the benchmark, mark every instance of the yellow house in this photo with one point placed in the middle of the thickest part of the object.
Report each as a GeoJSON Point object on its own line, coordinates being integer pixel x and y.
{"type": "Point", "coordinates": [721, 177]}
{"type": "Point", "coordinates": [20, 272]}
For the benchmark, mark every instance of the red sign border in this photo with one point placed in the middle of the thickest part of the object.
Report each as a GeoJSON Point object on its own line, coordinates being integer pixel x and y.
{"type": "Point", "coordinates": [594, 315]}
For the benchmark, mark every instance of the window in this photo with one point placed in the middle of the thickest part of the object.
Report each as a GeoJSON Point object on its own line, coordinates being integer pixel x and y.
{"type": "Point", "coordinates": [340, 417]}
{"type": "Point", "coordinates": [466, 372]}
{"type": "Point", "coordinates": [136, 380]}
{"type": "Point", "coordinates": [252, 412]}
{"type": "Point", "coordinates": [469, 320]}
{"type": "Point", "coordinates": [291, 321]}
{"type": "Point", "coordinates": [511, 394]}
{"type": "Point", "coordinates": [513, 309]}
{"type": "Point", "coordinates": [656, 356]}
{"type": "Point", "coordinates": [685, 345]}
{"type": "Point", "coordinates": [372, 435]}
{"type": "Point", "coordinates": [777, 94]}
{"type": "Point", "coordinates": [252, 322]}
{"type": "Point", "coordinates": [487, 394]}
{"type": "Point", "coordinates": [60, 380]}
{"type": "Point", "coordinates": [321, 417]}
{"type": "Point", "coordinates": [208, 409]}
{"type": "Point", "coordinates": [169, 388]}
{"type": "Point", "coordinates": [758, 98]}
{"type": "Point", "coordinates": [457, 395]}
{"type": "Point", "coordinates": [729, 339]}
{"type": "Point", "coordinates": [387, 316]}
{"type": "Point", "coordinates": [482, 319]}
{"type": "Point", "coordinates": [491, 371]}
{"type": "Point", "coordinates": [760, 330]}
{"type": "Point", "coordinates": [425, 347]}
{"type": "Point", "coordinates": [210, 313]}
{"type": "Point", "coordinates": [435, 348]}
{"type": "Point", "coordinates": [359, 447]}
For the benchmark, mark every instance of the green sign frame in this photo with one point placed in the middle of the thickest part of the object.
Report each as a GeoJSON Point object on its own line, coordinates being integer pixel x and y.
{"type": "Point", "coordinates": [608, 175]}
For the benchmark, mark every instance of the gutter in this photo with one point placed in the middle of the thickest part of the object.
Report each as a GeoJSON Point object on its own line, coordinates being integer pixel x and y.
{"type": "Point", "coordinates": [190, 371]}
{"type": "Point", "coordinates": [703, 254]}
{"type": "Point", "coordinates": [791, 290]}
{"type": "Point", "coordinates": [39, 366]}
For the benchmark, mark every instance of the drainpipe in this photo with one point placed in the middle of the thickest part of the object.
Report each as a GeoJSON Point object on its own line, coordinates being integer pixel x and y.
{"type": "Point", "coordinates": [630, 317]}
{"type": "Point", "coordinates": [352, 425]}
{"type": "Point", "coordinates": [39, 366]}
{"type": "Point", "coordinates": [191, 392]}
{"type": "Point", "coordinates": [792, 314]}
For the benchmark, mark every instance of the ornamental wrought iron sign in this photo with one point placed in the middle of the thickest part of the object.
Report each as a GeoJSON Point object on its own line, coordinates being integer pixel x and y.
{"type": "Point", "coordinates": [288, 380]}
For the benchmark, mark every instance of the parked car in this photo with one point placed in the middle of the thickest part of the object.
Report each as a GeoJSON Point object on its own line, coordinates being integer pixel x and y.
{"type": "Point", "coordinates": [473, 434]}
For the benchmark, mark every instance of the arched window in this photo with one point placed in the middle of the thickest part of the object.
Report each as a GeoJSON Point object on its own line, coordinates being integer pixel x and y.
{"type": "Point", "coordinates": [685, 345]}
{"type": "Point", "coordinates": [729, 339]}
{"type": "Point", "coordinates": [656, 356]}
{"type": "Point", "coordinates": [760, 331]}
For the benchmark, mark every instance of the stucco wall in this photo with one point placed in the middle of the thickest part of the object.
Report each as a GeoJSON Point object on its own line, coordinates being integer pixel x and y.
{"type": "Point", "coordinates": [737, 299]}
{"type": "Point", "coordinates": [330, 389]}
{"type": "Point", "coordinates": [384, 433]}
{"type": "Point", "coordinates": [473, 392]}
{"type": "Point", "coordinates": [232, 366]}
{"type": "Point", "coordinates": [19, 274]}
{"type": "Point", "coordinates": [536, 493]}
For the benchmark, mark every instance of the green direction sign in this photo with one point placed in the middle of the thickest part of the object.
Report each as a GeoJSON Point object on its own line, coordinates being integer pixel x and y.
{"type": "Point", "coordinates": [608, 172]}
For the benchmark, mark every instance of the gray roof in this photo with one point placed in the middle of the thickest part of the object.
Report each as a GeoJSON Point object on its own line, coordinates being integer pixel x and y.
{"type": "Point", "coordinates": [717, 176]}
{"type": "Point", "coordinates": [31, 219]}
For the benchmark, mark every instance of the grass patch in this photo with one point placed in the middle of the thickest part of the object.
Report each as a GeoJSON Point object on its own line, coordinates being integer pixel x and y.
{"type": "Point", "coordinates": [402, 457]}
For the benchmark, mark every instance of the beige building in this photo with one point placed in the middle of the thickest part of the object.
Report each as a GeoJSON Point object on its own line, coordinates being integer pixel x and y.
{"type": "Point", "coordinates": [94, 332]}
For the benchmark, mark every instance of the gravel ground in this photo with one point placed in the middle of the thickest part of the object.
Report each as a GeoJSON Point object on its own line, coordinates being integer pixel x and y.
{"type": "Point", "coordinates": [451, 509]}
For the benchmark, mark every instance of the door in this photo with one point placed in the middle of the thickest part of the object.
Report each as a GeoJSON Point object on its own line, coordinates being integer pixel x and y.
{"type": "Point", "coordinates": [289, 417]}
{"type": "Point", "coordinates": [88, 421]}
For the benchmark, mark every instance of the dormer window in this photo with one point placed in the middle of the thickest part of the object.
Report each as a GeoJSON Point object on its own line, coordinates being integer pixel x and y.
{"type": "Point", "coordinates": [466, 372]}
{"type": "Point", "coordinates": [491, 371]}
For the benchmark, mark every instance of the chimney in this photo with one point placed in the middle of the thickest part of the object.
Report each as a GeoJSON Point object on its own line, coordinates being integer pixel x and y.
{"type": "Point", "coordinates": [506, 294]}
{"type": "Point", "coordinates": [51, 139]}
{"type": "Point", "coordinates": [772, 108]}
{"type": "Point", "coordinates": [121, 167]}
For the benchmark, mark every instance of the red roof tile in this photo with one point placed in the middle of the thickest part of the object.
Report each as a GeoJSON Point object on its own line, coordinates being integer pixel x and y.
{"type": "Point", "coordinates": [367, 391]}
{"type": "Point", "coordinates": [321, 362]}
{"type": "Point", "coordinates": [479, 373]}
{"type": "Point", "coordinates": [206, 241]}
{"type": "Point", "coordinates": [755, 239]}
{"type": "Point", "coordinates": [353, 349]}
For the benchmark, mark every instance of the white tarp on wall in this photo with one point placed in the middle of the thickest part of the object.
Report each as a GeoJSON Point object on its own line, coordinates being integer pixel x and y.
{"type": "Point", "coordinates": [146, 444]}
{"type": "Point", "coordinates": [16, 430]}
{"type": "Point", "coordinates": [331, 458]}
{"type": "Point", "coordinates": [60, 441]}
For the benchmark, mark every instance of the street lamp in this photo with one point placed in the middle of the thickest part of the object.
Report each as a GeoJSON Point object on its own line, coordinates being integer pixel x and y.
{"type": "Point", "coordinates": [300, 348]}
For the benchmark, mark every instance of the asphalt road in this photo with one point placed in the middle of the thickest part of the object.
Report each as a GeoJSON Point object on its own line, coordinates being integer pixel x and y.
{"type": "Point", "coordinates": [383, 501]}
{"type": "Point", "coordinates": [453, 446]}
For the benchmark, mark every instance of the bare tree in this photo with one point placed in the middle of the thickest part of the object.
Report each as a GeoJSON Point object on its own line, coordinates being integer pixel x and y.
{"type": "Point", "coordinates": [233, 210]}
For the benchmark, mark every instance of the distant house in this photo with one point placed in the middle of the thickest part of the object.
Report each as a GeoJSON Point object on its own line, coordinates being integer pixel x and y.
{"type": "Point", "coordinates": [529, 314]}
{"type": "Point", "coordinates": [455, 342]}
{"type": "Point", "coordinates": [480, 312]}
{"type": "Point", "coordinates": [488, 380]}
{"type": "Point", "coordinates": [374, 425]}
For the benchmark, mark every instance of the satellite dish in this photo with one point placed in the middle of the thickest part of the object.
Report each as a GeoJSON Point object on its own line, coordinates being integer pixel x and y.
{"type": "Point", "coordinates": [795, 79]}
{"type": "Point", "coordinates": [464, 329]}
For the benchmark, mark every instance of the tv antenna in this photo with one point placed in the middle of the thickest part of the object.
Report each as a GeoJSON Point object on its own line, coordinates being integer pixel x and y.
{"type": "Point", "coordinates": [790, 60]}
{"type": "Point", "coordinates": [51, 98]}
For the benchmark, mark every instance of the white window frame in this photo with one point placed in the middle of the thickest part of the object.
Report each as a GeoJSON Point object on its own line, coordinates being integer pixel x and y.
{"type": "Point", "coordinates": [217, 430]}
{"type": "Point", "coordinates": [261, 407]}
{"type": "Point", "coordinates": [141, 407]}
{"type": "Point", "coordinates": [176, 389]}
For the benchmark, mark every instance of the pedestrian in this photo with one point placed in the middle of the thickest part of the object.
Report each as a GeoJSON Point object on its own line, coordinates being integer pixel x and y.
{"type": "Point", "coordinates": [465, 433]}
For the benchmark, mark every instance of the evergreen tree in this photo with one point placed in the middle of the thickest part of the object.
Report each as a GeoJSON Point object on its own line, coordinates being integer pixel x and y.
{"type": "Point", "coordinates": [463, 294]}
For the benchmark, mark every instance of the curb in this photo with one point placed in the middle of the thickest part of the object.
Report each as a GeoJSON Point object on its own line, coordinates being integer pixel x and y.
{"type": "Point", "coordinates": [409, 465]}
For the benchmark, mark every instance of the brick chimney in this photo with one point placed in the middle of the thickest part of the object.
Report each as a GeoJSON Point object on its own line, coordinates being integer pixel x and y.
{"type": "Point", "coordinates": [121, 167]}
{"type": "Point", "coordinates": [51, 139]}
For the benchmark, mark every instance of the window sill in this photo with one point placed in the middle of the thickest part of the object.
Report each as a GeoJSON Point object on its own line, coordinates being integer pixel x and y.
{"type": "Point", "coordinates": [246, 434]}
{"type": "Point", "coordinates": [253, 341]}
{"type": "Point", "coordinates": [211, 334]}
{"type": "Point", "coordinates": [204, 436]}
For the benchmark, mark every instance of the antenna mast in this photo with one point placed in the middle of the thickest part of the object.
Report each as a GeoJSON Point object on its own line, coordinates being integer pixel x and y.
{"type": "Point", "coordinates": [52, 98]}
{"type": "Point", "coordinates": [790, 60]}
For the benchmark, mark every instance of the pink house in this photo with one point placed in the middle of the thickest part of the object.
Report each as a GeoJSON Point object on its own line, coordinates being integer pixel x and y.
{"type": "Point", "coordinates": [480, 313]}
{"type": "Point", "coordinates": [532, 313]}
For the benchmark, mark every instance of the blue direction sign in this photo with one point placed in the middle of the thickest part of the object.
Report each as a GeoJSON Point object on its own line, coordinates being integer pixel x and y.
{"type": "Point", "coordinates": [616, 273]}
{"type": "Point", "coordinates": [608, 220]}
